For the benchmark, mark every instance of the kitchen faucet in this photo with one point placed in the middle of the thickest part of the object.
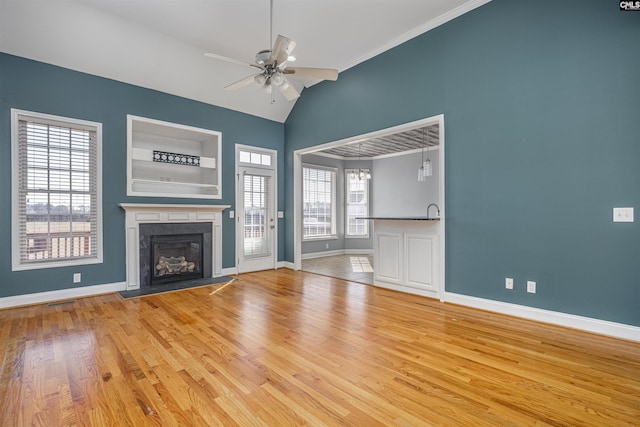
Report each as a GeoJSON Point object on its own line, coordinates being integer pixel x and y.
{"type": "Point", "coordinates": [429, 207]}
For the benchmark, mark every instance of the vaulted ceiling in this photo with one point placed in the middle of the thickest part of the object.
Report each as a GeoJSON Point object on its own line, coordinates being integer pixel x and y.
{"type": "Point", "coordinates": [158, 44]}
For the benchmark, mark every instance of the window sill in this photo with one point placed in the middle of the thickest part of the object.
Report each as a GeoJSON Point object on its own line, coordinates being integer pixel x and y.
{"type": "Point", "coordinates": [56, 264]}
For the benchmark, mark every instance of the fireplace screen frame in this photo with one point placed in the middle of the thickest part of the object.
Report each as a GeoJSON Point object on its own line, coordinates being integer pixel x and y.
{"type": "Point", "coordinates": [147, 230]}
{"type": "Point", "coordinates": [187, 261]}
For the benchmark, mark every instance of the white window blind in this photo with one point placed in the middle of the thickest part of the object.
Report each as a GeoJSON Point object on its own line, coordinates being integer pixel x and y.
{"type": "Point", "coordinates": [318, 187]}
{"type": "Point", "coordinates": [57, 191]}
{"type": "Point", "coordinates": [357, 204]}
{"type": "Point", "coordinates": [256, 208]}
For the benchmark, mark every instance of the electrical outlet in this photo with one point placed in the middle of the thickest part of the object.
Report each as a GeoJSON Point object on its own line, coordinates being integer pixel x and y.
{"type": "Point", "coordinates": [531, 287]}
{"type": "Point", "coordinates": [327, 246]}
{"type": "Point", "coordinates": [232, 214]}
{"type": "Point", "coordinates": [508, 283]}
{"type": "Point", "coordinates": [77, 277]}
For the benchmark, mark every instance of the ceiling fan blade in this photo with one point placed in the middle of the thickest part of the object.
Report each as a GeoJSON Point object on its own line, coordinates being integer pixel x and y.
{"type": "Point", "coordinates": [241, 83]}
{"type": "Point", "coordinates": [288, 91]}
{"type": "Point", "coordinates": [231, 60]}
{"type": "Point", "coordinates": [282, 48]}
{"type": "Point", "coordinates": [312, 73]}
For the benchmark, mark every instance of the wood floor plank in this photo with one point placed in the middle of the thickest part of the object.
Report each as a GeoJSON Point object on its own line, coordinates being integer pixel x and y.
{"type": "Point", "coordinates": [280, 348]}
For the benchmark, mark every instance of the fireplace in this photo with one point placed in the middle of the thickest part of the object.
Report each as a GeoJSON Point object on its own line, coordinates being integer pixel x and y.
{"type": "Point", "coordinates": [176, 258]}
{"type": "Point", "coordinates": [138, 216]}
{"type": "Point", "coordinates": [173, 252]}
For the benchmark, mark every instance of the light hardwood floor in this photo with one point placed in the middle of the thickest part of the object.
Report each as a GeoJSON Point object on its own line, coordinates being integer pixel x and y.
{"type": "Point", "coordinates": [280, 348]}
{"type": "Point", "coordinates": [356, 268]}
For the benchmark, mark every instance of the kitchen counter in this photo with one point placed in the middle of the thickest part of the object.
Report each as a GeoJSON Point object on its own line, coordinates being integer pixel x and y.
{"type": "Point", "coordinates": [400, 218]}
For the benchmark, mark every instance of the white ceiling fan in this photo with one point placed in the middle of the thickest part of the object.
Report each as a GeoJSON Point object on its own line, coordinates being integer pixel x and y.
{"type": "Point", "coordinates": [274, 69]}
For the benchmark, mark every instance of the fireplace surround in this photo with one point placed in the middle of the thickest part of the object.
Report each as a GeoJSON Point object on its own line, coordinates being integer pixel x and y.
{"type": "Point", "coordinates": [190, 219]}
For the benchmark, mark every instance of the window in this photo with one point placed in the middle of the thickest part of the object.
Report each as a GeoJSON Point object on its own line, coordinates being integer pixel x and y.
{"type": "Point", "coordinates": [56, 191]}
{"type": "Point", "coordinates": [319, 202]}
{"type": "Point", "coordinates": [254, 158]}
{"type": "Point", "coordinates": [357, 204]}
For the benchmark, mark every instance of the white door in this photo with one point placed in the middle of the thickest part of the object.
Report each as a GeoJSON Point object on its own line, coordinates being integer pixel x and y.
{"type": "Point", "coordinates": [256, 223]}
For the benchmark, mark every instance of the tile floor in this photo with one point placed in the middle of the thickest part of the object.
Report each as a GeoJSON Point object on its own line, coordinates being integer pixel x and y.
{"type": "Point", "coordinates": [356, 268]}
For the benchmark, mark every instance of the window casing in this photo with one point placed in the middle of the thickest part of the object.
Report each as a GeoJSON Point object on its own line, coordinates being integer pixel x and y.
{"type": "Point", "coordinates": [356, 205]}
{"type": "Point", "coordinates": [319, 202]}
{"type": "Point", "coordinates": [56, 191]}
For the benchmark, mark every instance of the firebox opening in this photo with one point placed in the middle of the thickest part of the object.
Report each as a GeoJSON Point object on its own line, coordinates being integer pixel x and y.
{"type": "Point", "coordinates": [176, 258]}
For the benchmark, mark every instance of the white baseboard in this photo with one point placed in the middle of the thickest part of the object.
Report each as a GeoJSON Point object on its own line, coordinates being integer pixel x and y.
{"type": "Point", "coordinates": [337, 252]}
{"type": "Point", "coordinates": [604, 327]}
{"type": "Point", "coordinates": [358, 251]}
{"type": "Point", "coordinates": [323, 254]}
{"type": "Point", "coordinates": [231, 271]}
{"type": "Point", "coordinates": [62, 294]}
{"type": "Point", "coordinates": [286, 264]}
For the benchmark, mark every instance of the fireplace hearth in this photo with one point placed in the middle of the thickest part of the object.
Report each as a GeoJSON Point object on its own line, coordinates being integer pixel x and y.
{"type": "Point", "coordinates": [174, 252]}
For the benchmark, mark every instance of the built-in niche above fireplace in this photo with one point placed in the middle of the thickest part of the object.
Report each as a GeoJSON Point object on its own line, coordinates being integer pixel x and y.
{"type": "Point", "coordinates": [176, 225]}
{"type": "Point", "coordinates": [174, 252]}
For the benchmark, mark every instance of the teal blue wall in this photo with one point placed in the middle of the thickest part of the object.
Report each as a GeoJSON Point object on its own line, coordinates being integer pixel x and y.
{"type": "Point", "coordinates": [39, 87]}
{"type": "Point", "coordinates": [542, 120]}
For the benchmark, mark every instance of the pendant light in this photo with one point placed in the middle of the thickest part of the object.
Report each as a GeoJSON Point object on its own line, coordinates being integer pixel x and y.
{"type": "Point", "coordinates": [427, 166]}
{"type": "Point", "coordinates": [421, 171]}
{"type": "Point", "coordinates": [360, 173]}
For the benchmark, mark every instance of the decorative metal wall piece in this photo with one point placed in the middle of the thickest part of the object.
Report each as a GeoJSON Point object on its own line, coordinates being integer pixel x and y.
{"type": "Point", "coordinates": [176, 158]}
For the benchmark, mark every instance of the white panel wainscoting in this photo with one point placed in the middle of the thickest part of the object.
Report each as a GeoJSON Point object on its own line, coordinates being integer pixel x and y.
{"type": "Point", "coordinates": [137, 214]}
{"type": "Point", "coordinates": [420, 266]}
{"type": "Point", "coordinates": [387, 255]}
{"type": "Point", "coordinates": [407, 255]}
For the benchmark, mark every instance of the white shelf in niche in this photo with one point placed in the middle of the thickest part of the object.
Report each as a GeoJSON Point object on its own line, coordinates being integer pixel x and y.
{"type": "Point", "coordinates": [146, 177]}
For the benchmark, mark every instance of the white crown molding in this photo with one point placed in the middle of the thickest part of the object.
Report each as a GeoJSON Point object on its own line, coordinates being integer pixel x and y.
{"type": "Point", "coordinates": [421, 29]}
{"type": "Point", "coordinates": [59, 295]}
{"type": "Point", "coordinates": [603, 327]}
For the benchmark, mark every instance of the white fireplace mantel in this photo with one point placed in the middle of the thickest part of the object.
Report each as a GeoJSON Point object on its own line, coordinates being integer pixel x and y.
{"type": "Point", "coordinates": [139, 213]}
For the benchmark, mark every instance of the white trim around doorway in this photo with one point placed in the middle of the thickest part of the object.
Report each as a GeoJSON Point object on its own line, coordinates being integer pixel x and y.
{"type": "Point", "coordinates": [297, 185]}
{"type": "Point", "coordinates": [272, 167]}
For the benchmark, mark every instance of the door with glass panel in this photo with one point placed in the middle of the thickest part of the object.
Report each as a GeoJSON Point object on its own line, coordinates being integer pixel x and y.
{"type": "Point", "coordinates": [256, 222]}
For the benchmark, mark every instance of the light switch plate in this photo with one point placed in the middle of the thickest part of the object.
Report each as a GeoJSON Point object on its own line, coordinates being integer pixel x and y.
{"type": "Point", "coordinates": [232, 214]}
{"type": "Point", "coordinates": [280, 214]}
{"type": "Point", "coordinates": [622, 214]}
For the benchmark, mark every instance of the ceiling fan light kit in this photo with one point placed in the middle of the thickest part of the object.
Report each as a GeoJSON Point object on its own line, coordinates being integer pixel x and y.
{"type": "Point", "coordinates": [272, 64]}
{"type": "Point", "coordinates": [263, 56]}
